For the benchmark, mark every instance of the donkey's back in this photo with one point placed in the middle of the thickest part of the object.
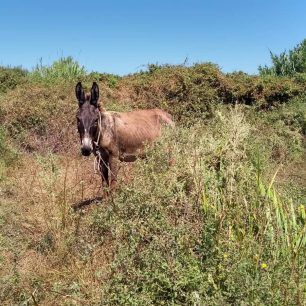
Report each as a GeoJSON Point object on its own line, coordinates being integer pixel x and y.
{"type": "Point", "coordinates": [133, 129]}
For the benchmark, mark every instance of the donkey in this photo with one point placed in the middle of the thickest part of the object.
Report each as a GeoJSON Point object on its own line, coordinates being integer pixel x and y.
{"type": "Point", "coordinates": [115, 136]}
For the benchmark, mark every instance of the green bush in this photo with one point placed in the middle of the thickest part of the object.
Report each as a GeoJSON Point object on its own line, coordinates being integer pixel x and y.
{"type": "Point", "coordinates": [111, 80]}
{"type": "Point", "coordinates": [241, 88]}
{"type": "Point", "coordinates": [291, 115]}
{"type": "Point", "coordinates": [192, 92]}
{"type": "Point", "coordinates": [187, 92]}
{"type": "Point", "coordinates": [11, 77]}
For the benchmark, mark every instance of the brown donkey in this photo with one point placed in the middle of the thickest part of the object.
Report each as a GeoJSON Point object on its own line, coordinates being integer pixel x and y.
{"type": "Point", "coordinates": [114, 136]}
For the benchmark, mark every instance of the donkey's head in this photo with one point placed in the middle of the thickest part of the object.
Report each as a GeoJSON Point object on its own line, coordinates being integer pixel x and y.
{"type": "Point", "coordinates": [87, 116]}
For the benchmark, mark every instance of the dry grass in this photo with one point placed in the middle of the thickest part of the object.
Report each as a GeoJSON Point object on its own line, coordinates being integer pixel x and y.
{"type": "Point", "coordinates": [199, 221]}
{"type": "Point", "coordinates": [38, 202]}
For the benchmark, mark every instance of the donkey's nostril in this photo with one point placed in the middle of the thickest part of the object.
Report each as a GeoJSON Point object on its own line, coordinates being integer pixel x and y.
{"type": "Point", "coordinates": [86, 151]}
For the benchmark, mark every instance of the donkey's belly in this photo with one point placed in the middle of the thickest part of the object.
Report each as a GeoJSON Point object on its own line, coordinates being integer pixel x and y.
{"type": "Point", "coordinates": [130, 155]}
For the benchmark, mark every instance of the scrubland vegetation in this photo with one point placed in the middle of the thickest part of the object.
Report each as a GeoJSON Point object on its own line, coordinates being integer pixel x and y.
{"type": "Point", "coordinates": [215, 215]}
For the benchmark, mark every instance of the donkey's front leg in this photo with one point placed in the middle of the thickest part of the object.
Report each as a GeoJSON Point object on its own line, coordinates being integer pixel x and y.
{"type": "Point", "coordinates": [104, 166]}
{"type": "Point", "coordinates": [113, 167]}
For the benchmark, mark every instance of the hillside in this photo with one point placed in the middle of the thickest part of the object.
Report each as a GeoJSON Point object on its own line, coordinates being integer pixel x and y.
{"type": "Point", "coordinates": [215, 215]}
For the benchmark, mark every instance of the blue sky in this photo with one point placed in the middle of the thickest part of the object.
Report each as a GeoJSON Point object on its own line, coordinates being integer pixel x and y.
{"type": "Point", "coordinates": [123, 36]}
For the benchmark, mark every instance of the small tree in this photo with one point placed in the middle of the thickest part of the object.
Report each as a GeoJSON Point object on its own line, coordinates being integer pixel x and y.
{"type": "Point", "coordinates": [287, 63]}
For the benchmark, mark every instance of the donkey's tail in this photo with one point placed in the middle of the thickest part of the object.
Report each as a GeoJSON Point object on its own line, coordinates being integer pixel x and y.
{"type": "Point", "coordinates": [165, 117]}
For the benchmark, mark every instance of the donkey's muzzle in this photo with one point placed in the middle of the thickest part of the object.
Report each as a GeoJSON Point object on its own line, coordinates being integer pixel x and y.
{"type": "Point", "coordinates": [86, 148]}
{"type": "Point", "coordinates": [86, 151]}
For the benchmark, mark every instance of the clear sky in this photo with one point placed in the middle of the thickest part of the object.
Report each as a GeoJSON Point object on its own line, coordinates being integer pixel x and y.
{"type": "Point", "coordinates": [123, 36]}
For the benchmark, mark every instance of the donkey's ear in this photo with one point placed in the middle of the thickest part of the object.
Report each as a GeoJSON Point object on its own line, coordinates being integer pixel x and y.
{"type": "Point", "coordinates": [80, 94]}
{"type": "Point", "coordinates": [94, 94]}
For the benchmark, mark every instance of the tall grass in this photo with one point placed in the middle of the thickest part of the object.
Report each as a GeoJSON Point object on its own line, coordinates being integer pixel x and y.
{"type": "Point", "coordinates": [287, 63]}
{"type": "Point", "coordinates": [64, 69]}
{"type": "Point", "coordinates": [200, 221]}
{"type": "Point", "coordinates": [209, 229]}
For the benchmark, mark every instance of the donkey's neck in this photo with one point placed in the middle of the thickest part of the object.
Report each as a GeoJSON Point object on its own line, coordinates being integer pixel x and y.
{"type": "Point", "coordinates": [106, 131]}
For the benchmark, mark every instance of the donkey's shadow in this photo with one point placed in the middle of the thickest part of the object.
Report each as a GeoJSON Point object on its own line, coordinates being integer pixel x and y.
{"type": "Point", "coordinates": [87, 202]}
